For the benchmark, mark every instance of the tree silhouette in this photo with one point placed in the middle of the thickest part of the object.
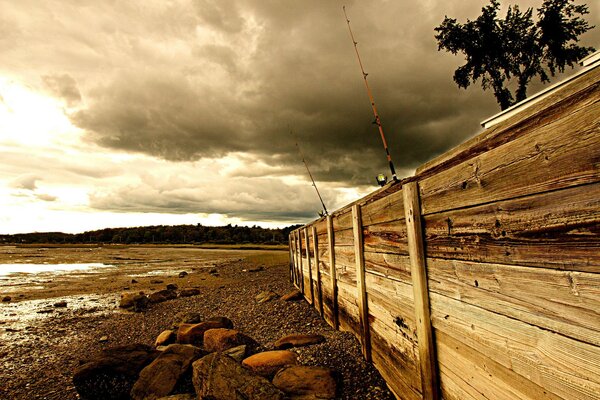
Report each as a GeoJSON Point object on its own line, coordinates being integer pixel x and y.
{"type": "Point", "coordinates": [516, 48]}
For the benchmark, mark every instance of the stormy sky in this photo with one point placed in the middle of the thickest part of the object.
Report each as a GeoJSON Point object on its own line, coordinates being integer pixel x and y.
{"type": "Point", "coordinates": [121, 113]}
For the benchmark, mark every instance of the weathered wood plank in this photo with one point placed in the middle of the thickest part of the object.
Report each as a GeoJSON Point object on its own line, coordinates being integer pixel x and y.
{"type": "Point", "coordinates": [332, 271]}
{"type": "Point", "coordinates": [310, 293]}
{"type": "Point", "coordinates": [559, 229]}
{"type": "Point", "coordinates": [386, 237]}
{"type": "Point", "coordinates": [361, 287]}
{"type": "Point", "coordinates": [393, 304]}
{"type": "Point", "coordinates": [400, 372]}
{"type": "Point", "coordinates": [481, 373]}
{"type": "Point", "coordinates": [416, 252]}
{"type": "Point", "coordinates": [557, 153]}
{"type": "Point", "coordinates": [299, 262]}
{"type": "Point", "coordinates": [385, 209]}
{"type": "Point", "coordinates": [550, 108]}
{"type": "Point", "coordinates": [292, 266]}
{"type": "Point", "coordinates": [342, 220]}
{"type": "Point", "coordinates": [319, 293]}
{"type": "Point", "coordinates": [344, 237]}
{"type": "Point", "coordinates": [561, 301]}
{"type": "Point", "coordinates": [392, 266]}
{"type": "Point", "coordinates": [561, 365]}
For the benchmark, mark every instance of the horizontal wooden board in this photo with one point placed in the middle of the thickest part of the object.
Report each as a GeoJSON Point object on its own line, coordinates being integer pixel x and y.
{"type": "Point", "coordinates": [566, 367]}
{"type": "Point", "coordinates": [387, 237]}
{"type": "Point", "coordinates": [392, 302]}
{"type": "Point", "coordinates": [385, 209]}
{"type": "Point", "coordinates": [555, 153]}
{"type": "Point", "coordinates": [561, 301]}
{"type": "Point", "coordinates": [559, 229]}
{"type": "Point", "coordinates": [400, 369]}
{"type": "Point", "coordinates": [391, 266]}
{"type": "Point", "coordinates": [475, 372]}
{"type": "Point", "coordinates": [343, 238]}
{"type": "Point", "coordinates": [551, 107]}
{"type": "Point", "coordinates": [343, 220]}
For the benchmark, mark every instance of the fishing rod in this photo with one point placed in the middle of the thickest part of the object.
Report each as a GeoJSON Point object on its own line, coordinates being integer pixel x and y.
{"type": "Point", "coordinates": [375, 113]}
{"type": "Point", "coordinates": [311, 177]}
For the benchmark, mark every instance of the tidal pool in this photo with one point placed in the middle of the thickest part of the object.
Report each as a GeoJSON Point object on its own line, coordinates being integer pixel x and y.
{"type": "Point", "coordinates": [9, 269]}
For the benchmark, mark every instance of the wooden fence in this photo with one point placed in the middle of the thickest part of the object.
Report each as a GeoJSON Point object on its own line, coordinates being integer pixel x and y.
{"type": "Point", "coordinates": [479, 277]}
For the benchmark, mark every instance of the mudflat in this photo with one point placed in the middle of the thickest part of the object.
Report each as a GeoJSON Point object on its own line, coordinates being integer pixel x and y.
{"type": "Point", "coordinates": [68, 310]}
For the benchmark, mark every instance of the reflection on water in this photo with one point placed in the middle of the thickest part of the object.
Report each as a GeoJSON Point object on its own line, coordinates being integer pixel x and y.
{"type": "Point", "coordinates": [8, 269]}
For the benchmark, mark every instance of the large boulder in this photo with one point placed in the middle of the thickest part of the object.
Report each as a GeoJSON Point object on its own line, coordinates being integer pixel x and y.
{"type": "Point", "coordinates": [194, 333]}
{"type": "Point", "coordinates": [161, 376]}
{"type": "Point", "coordinates": [134, 301]}
{"type": "Point", "coordinates": [112, 373]}
{"type": "Point", "coordinates": [222, 339]}
{"type": "Point", "coordinates": [186, 317]}
{"type": "Point", "coordinates": [219, 377]}
{"type": "Point", "coordinates": [165, 338]}
{"type": "Point", "coordinates": [268, 363]}
{"type": "Point", "coordinates": [297, 340]}
{"type": "Point", "coordinates": [162, 295]}
{"type": "Point", "coordinates": [302, 380]}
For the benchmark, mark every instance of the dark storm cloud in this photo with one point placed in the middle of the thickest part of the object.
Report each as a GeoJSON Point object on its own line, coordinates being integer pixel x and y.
{"type": "Point", "coordinates": [269, 200]}
{"type": "Point", "coordinates": [203, 78]}
{"type": "Point", "coordinates": [64, 87]}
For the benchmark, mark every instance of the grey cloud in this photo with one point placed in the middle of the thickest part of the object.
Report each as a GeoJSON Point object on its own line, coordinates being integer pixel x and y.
{"type": "Point", "coordinates": [64, 87]}
{"type": "Point", "coordinates": [249, 199]}
{"type": "Point", "coordinates": [46, 197]}
{"type": "Point", "coordinates": [223, 15]}
{"type": "Point", "coordinates": [163, 86]}
{"type": "Point", "coordinates": [27, 182]}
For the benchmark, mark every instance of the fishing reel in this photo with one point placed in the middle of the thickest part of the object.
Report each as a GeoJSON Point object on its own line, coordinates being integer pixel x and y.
{"type": "Point", "coordinates": [381, 179]}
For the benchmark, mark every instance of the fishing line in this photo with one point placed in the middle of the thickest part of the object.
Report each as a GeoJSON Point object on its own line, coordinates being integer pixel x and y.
{"type": "Point", "coordinates": [310, 175]}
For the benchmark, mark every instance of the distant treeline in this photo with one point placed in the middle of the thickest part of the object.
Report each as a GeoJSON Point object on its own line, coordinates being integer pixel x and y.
{"type": "Point", "coordinates": [161, 234]}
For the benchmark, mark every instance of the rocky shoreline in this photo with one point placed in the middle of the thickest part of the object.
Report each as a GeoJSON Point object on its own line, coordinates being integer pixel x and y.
{"type": "Point", "coordinates": [42, 364]}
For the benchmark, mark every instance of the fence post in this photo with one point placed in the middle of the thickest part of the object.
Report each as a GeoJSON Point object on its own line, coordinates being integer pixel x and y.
{"type": "Point", "coordinates": [310, 283]}
{"type": "Point", "coordinates": [316, 251]}
{"type": "Point", "coordinates": [416, 251]}
{"type": "Point", "coordinates": [363, 309]}
{"type": "Point", "coordinates": [291, 259]}
{"type": "Point", "coordinates": [301, 262]}
{"type": "Point", "coordinates": [331, 246]}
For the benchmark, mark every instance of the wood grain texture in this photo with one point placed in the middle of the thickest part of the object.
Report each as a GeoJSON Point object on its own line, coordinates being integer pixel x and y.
{"type": "Point", "coordinates": [556, 153]}
{"type": "Point", "coordinates": [559, 229]}
{"type": "Point", "coordinates": [564, 302]}
{"type": "Point", "coordinates": [361, 288]}
{"type": "Point", "coordinates": [563, 366]}
{"type": "Point", "coordinates": [300, 266]}
{"type": "Point", "coordinates": [393, 304]}
{"type": "Point", "coordinates": [391, 266]}
{"type": "Point", "coordinates": [385, 209]}
{"type": "Point", "coordinates": [416, 250]}
{"type": "Point", "coordinates": [342, 220]}
{"type": "Point", "coordinates": [332, 272]}
{"type": "Point", "coordinates": [477, 373]}
{"type": "Point", "coordinates": [399, 369]}
{"type": "Point", "coordinates": [386, 237]}
{"type": "Point", "coordinates": [319, 293]}
{"type": "Point", "coordinates": [551, 107]}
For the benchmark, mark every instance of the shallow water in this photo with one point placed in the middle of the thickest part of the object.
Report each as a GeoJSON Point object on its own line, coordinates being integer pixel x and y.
{"type": "Point", "coordinates": [10, 269]}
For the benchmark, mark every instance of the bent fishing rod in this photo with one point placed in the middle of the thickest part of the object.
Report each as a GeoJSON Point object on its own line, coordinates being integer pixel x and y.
{"type": "Point", "coordinates": [375, 113]}
{"type": "Point", "coordinates": [311, 177]}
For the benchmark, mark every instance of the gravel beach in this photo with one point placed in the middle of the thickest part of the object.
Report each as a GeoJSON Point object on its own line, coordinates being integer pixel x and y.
{"type": "Point", "coordinates": [39, 356]}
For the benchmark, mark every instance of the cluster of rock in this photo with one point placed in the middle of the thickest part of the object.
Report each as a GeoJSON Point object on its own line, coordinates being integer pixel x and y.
{"type": "Point", "coordinates": [207, 359]}
{"type": "Point", "coordinates": [139, 301]}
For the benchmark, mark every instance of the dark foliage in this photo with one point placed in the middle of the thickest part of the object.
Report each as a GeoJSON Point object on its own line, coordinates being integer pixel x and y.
{"type": "Point", "coordinates": [516, 48]}
{"type": "Point", "coordinates": [162, 234]}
